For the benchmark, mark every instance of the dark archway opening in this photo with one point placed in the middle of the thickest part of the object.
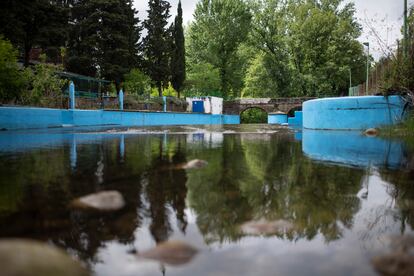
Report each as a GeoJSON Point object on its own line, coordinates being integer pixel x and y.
{"type": "Point", "coordinates": [291, 112]}
{"type": "Point", "coordinates": [253, 115]}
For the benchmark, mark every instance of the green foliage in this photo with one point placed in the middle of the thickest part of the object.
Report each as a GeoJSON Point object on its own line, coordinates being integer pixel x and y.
{"type": "Point", "coordinates": [136, 82]}
{"type": "Point", "coordinates": [283, 48]}
{"type": "Point", "coordinates": [46, 86]}
{"type": "Point", "coordinates": [322, 43]}
{"type": "Point", "coordinates": [178, 54]}
{"type": "Point", "coordinates": [258, 80]}
{"type": "Point", "coordinates": [253, 116]}
{"type": "Point", "coordinates": [202, 80]}
{"type": "Point", "coordinates": [11, 80]}
{"type": "Point", "coordinates": [168, 91]}
{"type": "Point", "coordinates": [218, 29]}
{"type": "Point", "coordinates": [157, 44]}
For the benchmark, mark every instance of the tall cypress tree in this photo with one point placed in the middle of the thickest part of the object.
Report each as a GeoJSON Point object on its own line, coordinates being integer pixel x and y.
{"type": "Point", "coordinates": [156, 46]}
{"type": "Point", "coordinates": [178, 54]}
{"type": "Point", "coordinates": [104, 39]}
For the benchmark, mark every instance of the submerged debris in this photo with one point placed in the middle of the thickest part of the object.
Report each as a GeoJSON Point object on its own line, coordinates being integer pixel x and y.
{"type": "Point", "coordinates": [264, 227]}
{"type": "Point", "coordinates": [371, 132]}
{"type": "Point", "coordinates": [400, 261]}
{"type": "Point", "coordinates": [396, 263]}
{"type": "Point", "coordinates": [26, 258]}
{"type": "Point", "coordinates": [195, 164]}
{"type": "Point", "coordinates": [101, 201]}
{"type": "Point", "coordinates": [171, 252]}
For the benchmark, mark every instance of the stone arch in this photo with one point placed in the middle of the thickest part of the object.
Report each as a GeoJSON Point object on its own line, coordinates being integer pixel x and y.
{"type": "Point", "coordinates": [244, 109]}
{"type": "Point", "coordinates": [292, 110]}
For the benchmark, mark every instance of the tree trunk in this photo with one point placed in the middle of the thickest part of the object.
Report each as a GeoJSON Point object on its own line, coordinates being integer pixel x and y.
{"type": "Point", "coordinates": [159, 90]}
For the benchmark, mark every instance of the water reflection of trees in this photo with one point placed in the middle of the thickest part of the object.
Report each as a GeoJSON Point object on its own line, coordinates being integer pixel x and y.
{"type": "Point", "coordinates": [402, 190]}
{"type": "Point", "coordinates": [247, 178]}
{"type": "Point", "coordinates": [40, 184]}
{"type": "Point", "coordinates": [251, 179]}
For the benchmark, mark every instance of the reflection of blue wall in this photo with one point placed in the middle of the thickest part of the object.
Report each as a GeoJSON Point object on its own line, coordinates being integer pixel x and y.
{"type": "Point", "coordinates": [351, 148]}
{"type": "Point", "coordinates": [21, 118]}
{"type": "Point", "coordinates": [352, 112]}
{"type": "Point", "coordinates": [20, 141]}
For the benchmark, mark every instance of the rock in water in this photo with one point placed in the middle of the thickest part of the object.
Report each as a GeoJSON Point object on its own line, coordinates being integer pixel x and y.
{"type": "Point", "coordinates": [101, 201]}
{"type": "Point", "coordinates": [371, 132]}
{"type": "Point", "coordinates": [396, 263]}
{"type": "Point", "coordinates": [29, 258]}
{"type": "Point", "coordinates": [263, 227]}
{"type": "Point", "coordinates": [195, 164]}
{"type": "Point", "coordinates": [171, 252]}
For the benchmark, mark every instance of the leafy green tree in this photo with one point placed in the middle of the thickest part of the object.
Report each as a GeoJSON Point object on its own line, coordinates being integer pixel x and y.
{"type": "Point", "coordinates": [11, 81]}
{"type": "Point", "coordinates": [218, 29]}
{"type": "Point", "coordinates": [268, 34]}
{"type": "Point", "coordinates": [156, 45]}
{"type": "Point", "coordinates": [258, 82]}
{"type": "Point", "coordinates": [178, 54]}
{"type": "Point", "coordinates": [136, 82]}
{"type": "Point", "coordinates": [322, 37]}
{"type": "Point", "coordinates": [202, 80]}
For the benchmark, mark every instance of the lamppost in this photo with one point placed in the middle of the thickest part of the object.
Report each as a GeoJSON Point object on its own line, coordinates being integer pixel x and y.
{"type": "Point", "coordinates": [366, 83]}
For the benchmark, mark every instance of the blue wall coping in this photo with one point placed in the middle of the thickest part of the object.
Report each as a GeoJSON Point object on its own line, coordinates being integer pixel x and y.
{"type": "Point", "coordinates": [353, 113]}
{"type": "Point", "coordinates": [30, 118]}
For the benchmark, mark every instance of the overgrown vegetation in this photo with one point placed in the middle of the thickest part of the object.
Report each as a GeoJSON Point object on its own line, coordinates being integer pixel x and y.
{"type": "Point", "coordinates": [253, 116]}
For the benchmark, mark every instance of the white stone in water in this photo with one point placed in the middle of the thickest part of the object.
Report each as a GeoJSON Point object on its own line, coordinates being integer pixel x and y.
{"type": "Point", "coordinates": [171, 253]}
{"type": "Point", "coordinates": [102, 201]}
{"type": "Point", "coordinates": [195, 164]}
{"type": "Point", "coordinates": [263, 227]}
{"type": "Point", "coordinates": [31, 258]}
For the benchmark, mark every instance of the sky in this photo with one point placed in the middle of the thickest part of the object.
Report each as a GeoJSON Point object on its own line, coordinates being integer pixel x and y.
{"type": "Point", "coordinates": [381, 20]}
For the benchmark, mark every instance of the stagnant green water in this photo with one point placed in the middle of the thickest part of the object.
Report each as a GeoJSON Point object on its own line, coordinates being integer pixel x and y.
{"type": "Point", "coordinates": [344, 193]}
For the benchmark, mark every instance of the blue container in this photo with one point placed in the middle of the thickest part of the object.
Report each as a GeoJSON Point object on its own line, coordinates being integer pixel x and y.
{"type": "Point", "coordinates": [198, 106]}
{"type": "Point", "coordinates": [277, 118]}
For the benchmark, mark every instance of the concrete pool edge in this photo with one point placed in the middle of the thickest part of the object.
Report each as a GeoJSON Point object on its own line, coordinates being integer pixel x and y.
{"type": "Point", "coordinates": [13, 118]}
{"type": "Point", "coordinates": [353, 113]}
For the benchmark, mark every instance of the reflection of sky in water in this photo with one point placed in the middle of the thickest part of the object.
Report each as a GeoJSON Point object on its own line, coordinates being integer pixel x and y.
{"type": "Point", "coordinates": [262, 172]}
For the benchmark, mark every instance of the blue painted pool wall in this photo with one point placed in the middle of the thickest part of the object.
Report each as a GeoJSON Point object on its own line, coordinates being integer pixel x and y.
{"type": "Point", "coordinates": [352, 113]}
{"type": "Point", "coordinates": [277, 119]}
{"type": "Point", "coordinates": [352, 148]}
{"type": "Point", "coordinates": [296, 121]}
{"type": "Point", "coordinates": [24, 118]}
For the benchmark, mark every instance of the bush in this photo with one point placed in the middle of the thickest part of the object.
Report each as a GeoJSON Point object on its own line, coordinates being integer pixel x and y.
{"type": "Point", "coordinates": [11, 79]}
{"type": "Point", "coordinates": [46, 87]}
{"type": "Point", "coordinates": [137, 83]}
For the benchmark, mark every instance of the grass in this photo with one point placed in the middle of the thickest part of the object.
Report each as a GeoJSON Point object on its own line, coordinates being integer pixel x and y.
{"type": "Point", "coordinates": [403, 131]}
